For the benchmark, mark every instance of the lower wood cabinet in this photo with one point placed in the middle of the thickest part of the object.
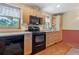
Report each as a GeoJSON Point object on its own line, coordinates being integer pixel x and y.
{"type": "Point", "coordinates": [52, 37]}
{"type": "Point", "coordinates": [28, 44]}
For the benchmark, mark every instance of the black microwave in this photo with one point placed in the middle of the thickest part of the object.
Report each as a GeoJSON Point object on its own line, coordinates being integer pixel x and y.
{"type": "Point", "coordinates": [34, 20]}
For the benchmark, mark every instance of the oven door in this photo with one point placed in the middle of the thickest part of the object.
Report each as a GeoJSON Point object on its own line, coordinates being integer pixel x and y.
{"type": "Point", "coordinates": [38, 37]}
{"type": "Point", "coordinates": [38, 42]}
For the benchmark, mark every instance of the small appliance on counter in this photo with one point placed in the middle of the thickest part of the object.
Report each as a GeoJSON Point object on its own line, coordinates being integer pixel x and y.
{"type": "Point", "coordinates": [33, 28]}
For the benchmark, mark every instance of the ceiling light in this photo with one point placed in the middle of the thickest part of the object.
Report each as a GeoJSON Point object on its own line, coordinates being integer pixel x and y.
{"type": "Point", "coordinates": [58, 6]}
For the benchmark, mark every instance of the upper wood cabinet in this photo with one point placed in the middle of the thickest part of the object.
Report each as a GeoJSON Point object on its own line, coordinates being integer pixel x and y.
{"type": "Point", "coordinates": [57, 22]}
{"type": "Point", "coordinates": [34, 12]}
{"type": "Point", "coordinates": [27, 11]}
{"type": "Point", "coordinates": [30, 11]}
{"type": "Point", "coordinates": [39, 14]}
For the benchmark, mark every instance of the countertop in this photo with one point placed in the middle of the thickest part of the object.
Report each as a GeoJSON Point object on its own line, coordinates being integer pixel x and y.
{"type": "Point", "coordinates": [13, 33]}
{"type": "Point", "coordinates": [16, 33]}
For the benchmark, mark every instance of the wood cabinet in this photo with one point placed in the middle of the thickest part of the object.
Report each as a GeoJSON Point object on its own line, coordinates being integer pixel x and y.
{"type": "Point", "coordinates": [27, 11]}
{"type": "Point", "coordinates": [52, 38]}
{"type": "Point", "coordinates": [34, 12]}
{"type": "Point", "coordinates": [28, 44]}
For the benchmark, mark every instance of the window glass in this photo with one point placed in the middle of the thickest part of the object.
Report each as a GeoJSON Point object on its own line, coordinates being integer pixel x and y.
{"type": "Point", "coordinates": [9, 22]}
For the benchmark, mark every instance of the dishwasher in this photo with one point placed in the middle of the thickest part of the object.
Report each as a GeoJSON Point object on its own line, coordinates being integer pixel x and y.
{"type": "Point", "coordinates": [12, 45]}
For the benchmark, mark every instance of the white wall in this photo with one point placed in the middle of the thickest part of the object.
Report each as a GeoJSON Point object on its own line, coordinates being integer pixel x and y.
{"type": "Point", "coordinates": [71, 20]}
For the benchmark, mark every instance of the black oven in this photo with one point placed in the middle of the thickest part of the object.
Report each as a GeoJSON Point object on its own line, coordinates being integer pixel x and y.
{"type": "Point", "coordinates": [38, 38]}
{"type": "Point", "coordinates": [38, 41]}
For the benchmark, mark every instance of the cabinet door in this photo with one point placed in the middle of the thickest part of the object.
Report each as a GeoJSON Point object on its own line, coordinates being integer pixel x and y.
{"type": "Point", "coordinates": [26, 13]}
{"type": "Point", "coordinates": [34, 12]}
{"type": "Point", "coordinates": [57, 22]}
{"type": "Point", "coordinates": [28, 44]}
{"type": "Point", "coordinates": [31, 11]}
{"type": "Point", "coordinates": [52, 37]}
{"type": "Point", "coordinates": [49, 39]}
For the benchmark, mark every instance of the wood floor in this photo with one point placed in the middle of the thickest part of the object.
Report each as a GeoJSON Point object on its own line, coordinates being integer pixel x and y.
{"type": "Point", "coordinates": [60, 48]}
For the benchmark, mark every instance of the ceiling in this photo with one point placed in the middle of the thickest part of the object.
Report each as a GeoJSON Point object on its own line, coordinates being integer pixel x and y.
{"type": "Point", "coordinates": [54, 8]}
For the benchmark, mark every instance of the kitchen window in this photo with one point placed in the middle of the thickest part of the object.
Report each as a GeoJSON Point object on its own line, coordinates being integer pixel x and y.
{"type": "Point", "coordinates": [9, 16]}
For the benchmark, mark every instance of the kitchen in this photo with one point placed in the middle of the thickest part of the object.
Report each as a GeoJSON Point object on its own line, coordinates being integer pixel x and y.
{"type": "Point", "coordinates": [25, 29]}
